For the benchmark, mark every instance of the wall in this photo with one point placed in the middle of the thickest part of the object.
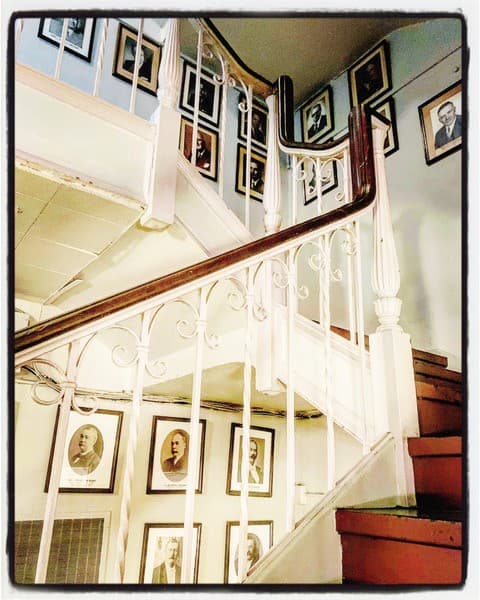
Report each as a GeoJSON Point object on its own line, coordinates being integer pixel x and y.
{"type": "Point", "coordinates": [425, 201]}
{"type": "Point", "coordinates": [213, 507]}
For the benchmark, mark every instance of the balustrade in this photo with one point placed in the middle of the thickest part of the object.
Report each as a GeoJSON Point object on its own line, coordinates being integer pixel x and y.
{"type": "Point", "coordinates": [251, 278]}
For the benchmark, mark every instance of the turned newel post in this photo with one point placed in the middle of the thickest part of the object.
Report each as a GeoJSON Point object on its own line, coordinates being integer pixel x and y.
{"type": "Point", "coordinates": [394, 395]}
{"type": "Point", "coordinates": [169, 73]}
{"type": "Point", "coordinates": [161, 173]}
{"type": "Point", "coordinates": [271, 193]}
{"type": "Point", "coordinates": [385, 272]}
{"type": "Point", "coordinates": [267, 342]}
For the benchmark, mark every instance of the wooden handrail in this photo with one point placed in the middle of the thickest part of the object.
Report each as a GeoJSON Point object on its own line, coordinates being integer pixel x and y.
{"type": "Point", "coordinates": [363, 194]}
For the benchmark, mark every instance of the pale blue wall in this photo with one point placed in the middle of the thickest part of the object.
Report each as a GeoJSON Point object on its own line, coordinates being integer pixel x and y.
{"type": "Point", "coordinates": [425, 200]}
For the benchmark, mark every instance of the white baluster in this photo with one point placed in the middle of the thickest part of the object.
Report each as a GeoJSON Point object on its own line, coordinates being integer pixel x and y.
{"type": "Point", "coordinates": [193, 451]}
{"type": "Point", "coordinates": [128, 474]}
{"type": "Point", "coordinates": [19, 23]}
{"type": "Point", "coordinates": [272, 193]}
{"type": "Point", "coordinates": [290, 445]}
{"type": "Point", "coordinates": [101, 57]}
{"type": "Point", "coordinates": [68, 387]}
{"type": "Point", "coordinates": [248, 157]}
{"type": "Point", "coordinates": [247, 386]}
{"type": "Point", "coordinates": [161, 174]}
{"type": "Point", "coordinates": [61, 49]}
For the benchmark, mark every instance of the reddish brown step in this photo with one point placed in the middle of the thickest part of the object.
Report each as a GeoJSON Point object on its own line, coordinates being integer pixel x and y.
{"type": "Point", "coordinates": [400, 546]}
{"type": "Point", "coordinates": [437, 467]}
{"type": "Point", "coordinates": [439, 409]}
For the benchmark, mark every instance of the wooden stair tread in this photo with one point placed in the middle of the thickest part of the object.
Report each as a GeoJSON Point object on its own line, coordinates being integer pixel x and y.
{"type": "Point", "coordinates": [435, 446]}
{"type": "Point", "coordinates": [438, 391]}
{"type": "Point", "coordinates": [430, 370]}
{"type": "Point", "coordinates": [401, 524]}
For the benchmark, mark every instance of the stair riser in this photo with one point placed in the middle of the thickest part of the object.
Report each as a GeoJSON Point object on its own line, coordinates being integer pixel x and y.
{"type": "Point", "coordinates": [390, 562]}
{"type": "Point", "coordinates": [439, 417]}
{"type": "Point", "coordinates": [438, 481]}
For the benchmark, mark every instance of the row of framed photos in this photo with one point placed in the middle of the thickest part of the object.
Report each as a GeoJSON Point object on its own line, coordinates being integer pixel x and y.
{"type": "Point", "coordinates": [162, 550]}
{"type": "Point", "coordinates": [206, 158]}
{"type": "Point", "coordinates": [369, 79]}
{"type": "Point", "coordinates": [90, 458]}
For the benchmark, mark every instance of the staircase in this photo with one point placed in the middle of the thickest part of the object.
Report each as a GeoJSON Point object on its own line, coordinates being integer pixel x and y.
{"type": "Point", "coordinates": [421, 545]}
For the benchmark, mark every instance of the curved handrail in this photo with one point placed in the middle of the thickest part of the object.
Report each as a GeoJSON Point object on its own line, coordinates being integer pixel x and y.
{"type": "Point", "coordinates": [363, 194]}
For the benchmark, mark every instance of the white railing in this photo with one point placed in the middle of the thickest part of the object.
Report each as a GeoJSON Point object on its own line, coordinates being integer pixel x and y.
{"type": "Point", "coordinates": [250, 286]}
{"type": "Point", "coordinates": [227, 84]}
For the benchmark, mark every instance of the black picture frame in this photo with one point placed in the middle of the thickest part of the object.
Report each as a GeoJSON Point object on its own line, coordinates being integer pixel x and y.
{"type": "Point", "coordinates": [259, 123]}
{"type": "Point", "coordinates": [155, 539]}
{"type": "Point", "coordinates": [94, 473]}
{"type": "Point", "coordinates": [163, 477]}
{"type": "Point", "coordinates": [316, 115]}
{"type": "Point", "coordinates": [436, 143]}
{"type": "Point", "coordinates": [386, 108]}
{"type": "Point", "coordinates": [370, 77]}
{"type": "Point", "coordinates": [207, 163]}
{"type": "Point", "coordinates": [261, 534]}
{"type": "Point", "coordinates": [256, 184]}
{"type": "Point", "coordinates": [262, 468]}
{"type": "Point", "coordinates": [80, 34]}
{"type": "Point", "coordinates": [124, 59]}
{"type": "Point", "coordinates": [209, 99]}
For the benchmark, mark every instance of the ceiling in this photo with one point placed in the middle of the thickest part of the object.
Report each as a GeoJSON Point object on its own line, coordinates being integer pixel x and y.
{"type": "Point", "coordinates": [312, 51]}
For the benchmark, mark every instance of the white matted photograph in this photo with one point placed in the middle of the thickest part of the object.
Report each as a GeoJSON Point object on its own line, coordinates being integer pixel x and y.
{"type": "Point", "coordinates": [91, 452]}
{"type": "Point", "coordinates": [79, 38]}
{"type": "Point", "coordinates": [259, 541]}
{"type": "Point", "coordinates": [162, 552]}
{"type": "Point", "coordinates": [169, 455]}
{"type": "Point", "coordinates": [260, 461]}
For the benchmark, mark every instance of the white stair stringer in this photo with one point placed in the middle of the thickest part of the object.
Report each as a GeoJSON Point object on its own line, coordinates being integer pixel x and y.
{"type": "Point", "coordinates": [346, 376]}
{"type": "Point", "coordinates": [204, 214]}
{"type": "Point", "coordinates": [311, 553]}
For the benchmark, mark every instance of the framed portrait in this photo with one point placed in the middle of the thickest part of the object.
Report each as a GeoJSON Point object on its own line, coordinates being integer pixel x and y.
{"type": "Point", "coordinates": [259, 541]}
{"type": "Point", "coordinates": [169, 451]}
{"type": "Point", "coordinates": [386, 108]}
{"type": "Point", "coordinates": [91, 452]}
{"type": "Point", "coordinates": [441, 122]}
{"type": "Point", "coordinates": [259, 123]}
{"type": "Point", "coordinates": [124, 60]}
{"type": "Point", "coordinates": [209, 94]}
{"type": "Point", "coordinates": [80, 34]}
{"type": "Point", "coordinates": [260, 473]}
{"type": "Point", "coordinates": [316, 115]}
{"type": "Point", "coordinates": [206, 154]}
{"type": "Point", "coordinates": [328, 178]}
{"type": "Point", "coordinates": [370, 77]}
{"type": "Point", "coordinates": [258, 164]}
{"type": "Point", "coordinates": [162, 551]}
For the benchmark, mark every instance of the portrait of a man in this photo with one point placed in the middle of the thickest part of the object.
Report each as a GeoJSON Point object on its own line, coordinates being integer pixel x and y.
{"type": "Point", "coordinates": [317, 119]}
{"type": "Point", "coordinates": [170, 567]}
{"type": "Point", "coordinates": [145, 59]}
{"type": "Point", "coordinates": [255, 470]}
{"type": "Point", "coordinates": [451, 121]}
{"type": "Point", "coordinates": [258, 127]}
{"type": "Point", "coordinates": [254, 552]}
{"type": "Point", "coordinates": [85, 449]}
{"type": "Point", "coordinates": [203, 154]}
{"type": "Point", "coordinates": [175, 467]}
{"type": "Point", "coordinates": [256, 176]}
{"type": "Point", "coordinates": [369, 79]}
{"type": "Point", "coordinates": [206, 95]}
